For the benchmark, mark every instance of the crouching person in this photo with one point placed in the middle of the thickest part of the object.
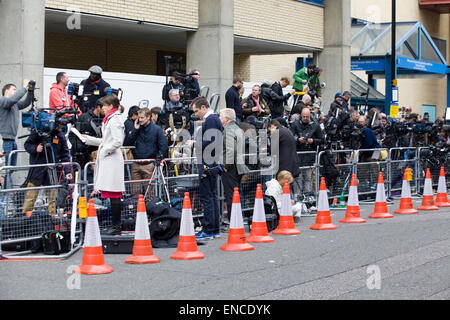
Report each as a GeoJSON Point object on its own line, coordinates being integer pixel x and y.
{"type": "Point", "coordinates": [43, 150]}
{"type": "Point", "coordinates": [275, 189]}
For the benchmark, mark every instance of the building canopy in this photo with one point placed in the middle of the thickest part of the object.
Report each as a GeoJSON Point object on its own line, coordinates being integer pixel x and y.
{"type": "Point", "coordinates": [417, 55]}
{"type": "Point", "coordinates": [415, 49]}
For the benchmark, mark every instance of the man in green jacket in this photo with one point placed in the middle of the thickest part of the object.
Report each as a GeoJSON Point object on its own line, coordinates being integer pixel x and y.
{"type": "Point", "coordinates": [303, 76]}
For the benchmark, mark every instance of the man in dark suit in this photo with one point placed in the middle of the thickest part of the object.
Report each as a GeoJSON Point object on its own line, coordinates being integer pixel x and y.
{"type": "Point", "coordinates": [287, 158]}
{"type": "Point", "coordinates": [232, 98]}
{"type": "Point", "coordinates": [208, 149]}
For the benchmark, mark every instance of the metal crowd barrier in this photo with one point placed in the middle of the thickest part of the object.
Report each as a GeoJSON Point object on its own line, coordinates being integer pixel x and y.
{"type": "Point", "coordinates": [29, 211]}
{"type": "Point", "coordinates": [179, 175]}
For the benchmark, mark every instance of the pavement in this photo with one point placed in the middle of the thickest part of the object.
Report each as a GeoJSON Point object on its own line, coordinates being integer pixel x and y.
{"type": "Point", "coordinates": [402, 258]}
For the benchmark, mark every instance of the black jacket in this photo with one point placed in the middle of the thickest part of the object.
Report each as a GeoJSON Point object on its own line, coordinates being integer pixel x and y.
{"type": "Point", "coordinates": [149, 142]}
{"type": "Point", "coordinates": [275, 99]}
{"type": "Point", "coordinates": [288, 159]}
{"type": "Point", "coordinates": [58, 144]}
{"type": "Point", "coordinates": [88, 123]}
{"type": "Point", "coordinates": [233, 101]}
{"type": "Point", "coordinates": [93, 93]}
{"type": "Point", "coordinates": [307, 130]}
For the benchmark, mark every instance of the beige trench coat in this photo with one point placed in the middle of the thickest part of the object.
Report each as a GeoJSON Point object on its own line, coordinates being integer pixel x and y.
{"type": "Point", "coordinates": [109, 167]}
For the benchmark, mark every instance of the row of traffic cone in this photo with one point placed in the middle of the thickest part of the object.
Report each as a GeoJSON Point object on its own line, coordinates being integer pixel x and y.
{"type": "Point", "coordinates": [93, 258]}
{"type": "Point", "coordinates": [94, 262]}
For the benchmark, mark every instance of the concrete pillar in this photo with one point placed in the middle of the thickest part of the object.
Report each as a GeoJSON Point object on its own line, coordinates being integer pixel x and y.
{"type": "Point", "coordinates": [211, 48]}
{"type": "Point", "coordinates": [22, 36]}
{"type": "Point", "coordinates": [336, 56]}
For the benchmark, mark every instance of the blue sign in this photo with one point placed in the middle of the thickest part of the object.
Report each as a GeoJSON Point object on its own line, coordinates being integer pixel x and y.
{"type": "Point", "coordinates": [368, 65]}
{"type": "Point", "coordinates": [420, 65]}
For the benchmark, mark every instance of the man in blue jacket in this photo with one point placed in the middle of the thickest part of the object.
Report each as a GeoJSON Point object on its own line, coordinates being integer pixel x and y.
{"type": "Point", "coordinates": [150, 143]}
{"type": "Point", "coordinates": [233, 100]}
{"type": "Point", "coordinates": [208, 146]}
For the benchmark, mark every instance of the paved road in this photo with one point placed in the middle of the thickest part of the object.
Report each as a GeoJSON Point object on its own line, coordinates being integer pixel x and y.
{"type": "Point", "coordinates": [406, 257]}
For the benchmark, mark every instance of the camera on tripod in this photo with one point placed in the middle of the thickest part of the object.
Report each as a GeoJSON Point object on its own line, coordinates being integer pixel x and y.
{"type": "Point", "coordinates": [42, 122]}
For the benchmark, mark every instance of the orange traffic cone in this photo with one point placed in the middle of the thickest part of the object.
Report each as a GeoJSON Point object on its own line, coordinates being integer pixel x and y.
{"type": "Point", "coordinates": [381, 209]}
{"type": "Point", "coordinates": [259, 232]}
{"type": "Point", "coordinates": [428, 200]}
{"type": "Point", "coordinates": [353, 215]}
{"type": "Point", "coordinates": [286, 224]}
{"type": "Point", "coordinates": [93, 258]}
{"type": "Point", "coordinates": [406, 205]}
{"type": "Point", "coordinates": [142, 248]}
{"type": "Point", "coordinates": [236, 233]}
{"type": "Point", "coordinates": [441, 197]}
{"type": "Point", "coordinates": [187, 245]}
{"type": "Point", "coordinates": [323, 219]}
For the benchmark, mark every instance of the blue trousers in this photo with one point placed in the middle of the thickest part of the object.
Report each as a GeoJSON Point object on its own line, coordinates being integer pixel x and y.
{"type": "Point", "coordinates": [8, 147]}
{"type": "Point", "coordinates": [210, 203]}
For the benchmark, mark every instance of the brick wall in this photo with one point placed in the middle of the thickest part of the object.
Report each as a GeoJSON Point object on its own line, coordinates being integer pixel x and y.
{"type": "Point", "coordinates": [80, 52]}
{"type": "Point", "coordinates": [287, 21]}
{"type": "Point", "coordinates": [173, 12]}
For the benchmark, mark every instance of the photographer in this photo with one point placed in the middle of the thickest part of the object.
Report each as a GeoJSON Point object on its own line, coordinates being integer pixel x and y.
{"type": "Point", "coordinates": [89, 123]}
{"type": "Point", "coordinates": [174, 84]}
{"type": "Point", "coordinates": [255, 105]}
{"type": "Point", "coordinates": [192, 87]}
{"type": "Point", "coordinates": [307, 79]}
{"type": "Point", "coordinates": [275, 100]}
{"type": "Point", "coordinates": [305, 102]}
{"type": "Point", "coordinates": [150, 143]}
{"type": "Point", "coordinates": [43, 150]}
{"type": "Point", "coordinates": [309, 137]}
{"type": "Point", "coordinates": [94, 88]}
{"type": "Point", "coordinates": [10, 106]}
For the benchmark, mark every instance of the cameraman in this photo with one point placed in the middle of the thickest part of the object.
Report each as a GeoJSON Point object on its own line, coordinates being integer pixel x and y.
{"type": "Point", "coordinates": [309, 137]}
{"type": "Point", "coordinates": [89, 123]}
{"type": "Point", "coordinates": [174, 84]}
{"type": "Point", "coordinates": [59, 99]}
{"type": "Point", "coordinates": [43, 150]}
{"type": "Point", "coordinates": [10, 106]}
{"type": "Point", "coordinates": [192, 86]}
{"type": "Point", "coordinates": [307, 78]}
{"type": "Point", "coordinates": [94, 88]}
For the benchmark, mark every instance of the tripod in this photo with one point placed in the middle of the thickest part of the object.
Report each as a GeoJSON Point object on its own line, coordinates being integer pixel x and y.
{"type": "Point", "coordinates": [157, 182]}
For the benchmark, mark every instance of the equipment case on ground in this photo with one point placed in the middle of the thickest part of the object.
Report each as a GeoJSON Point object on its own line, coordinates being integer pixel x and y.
{"type": "Point", "coordinates": [120, 244]}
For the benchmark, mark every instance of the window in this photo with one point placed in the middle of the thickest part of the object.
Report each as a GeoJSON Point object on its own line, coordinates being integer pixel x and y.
{"type": "Point", "coordinates": [177, 63]}
{"type": "Point", "coordinates": [442, 46]}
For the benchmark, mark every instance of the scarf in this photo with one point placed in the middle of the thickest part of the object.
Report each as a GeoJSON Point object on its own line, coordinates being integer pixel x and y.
{"type": "Point", "coordinates": [258, 105]}
{"type": "Point", "coordinates": [109, 114]}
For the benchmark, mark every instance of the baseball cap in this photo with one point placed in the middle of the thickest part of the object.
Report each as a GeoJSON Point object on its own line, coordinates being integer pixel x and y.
{"type": "Point", "coordinates": [96, 69]}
